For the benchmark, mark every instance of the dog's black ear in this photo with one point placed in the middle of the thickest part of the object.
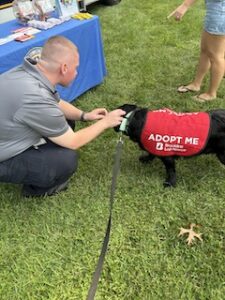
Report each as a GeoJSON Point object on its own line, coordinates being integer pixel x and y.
{"type": "Point", "coordinates": [128, 107]}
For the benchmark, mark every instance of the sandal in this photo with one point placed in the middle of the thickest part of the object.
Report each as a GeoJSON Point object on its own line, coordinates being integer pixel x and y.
{"type": "Point", "coordinates": [185, 89]}
{"type": "Point", "coordinates": [201, 99]}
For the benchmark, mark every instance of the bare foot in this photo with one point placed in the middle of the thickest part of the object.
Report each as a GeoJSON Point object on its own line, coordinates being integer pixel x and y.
{"type": "Point", "coordinates": [204, 97]}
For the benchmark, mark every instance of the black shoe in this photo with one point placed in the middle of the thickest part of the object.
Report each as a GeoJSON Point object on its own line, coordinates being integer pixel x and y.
{"type": "Point", "coordinates": [34, 191]}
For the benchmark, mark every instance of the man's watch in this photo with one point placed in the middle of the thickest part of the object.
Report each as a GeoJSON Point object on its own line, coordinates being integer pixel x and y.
{"type": "Point", "coordinates": [82, 117]}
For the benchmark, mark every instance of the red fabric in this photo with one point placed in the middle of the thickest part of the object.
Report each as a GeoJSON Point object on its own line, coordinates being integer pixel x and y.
{"type": "Point", "coordinates": [168, 133]}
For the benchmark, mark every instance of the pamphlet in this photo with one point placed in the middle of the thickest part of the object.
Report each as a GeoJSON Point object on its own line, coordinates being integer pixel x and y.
{"type": "Point", "coordinates": [24, 38]}
{"type": "Point", "coordinates": [22, 34]}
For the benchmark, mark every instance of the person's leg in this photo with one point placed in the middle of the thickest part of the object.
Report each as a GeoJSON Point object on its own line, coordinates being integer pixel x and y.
{"type": "Point", "coordinates": [58, 164]}
{"type": "Point", "coordinates": [202, 68]}
{"type": "Point", "coordinates": [41, 170]}
{"type": "Point", "coordinates": [224, 67]}
{"type": "Point", "coordinates": [204, 62]}
{"type": "Point", "coordinates": [216, 48]}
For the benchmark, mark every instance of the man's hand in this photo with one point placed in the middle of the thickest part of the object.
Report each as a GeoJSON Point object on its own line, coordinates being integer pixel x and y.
{"type": "Point", "coordinates": [95, 114]}
{"type": "Point", "coordinates": [114, 118]}
{"type": "Point", "coordinates": [179, 12]}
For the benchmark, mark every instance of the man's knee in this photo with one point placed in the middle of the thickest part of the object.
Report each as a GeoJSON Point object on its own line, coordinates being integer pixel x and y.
{"type": "Point", "coordinates": [70, 161]}
{"type": "Point", "coordinates": [63, 165]}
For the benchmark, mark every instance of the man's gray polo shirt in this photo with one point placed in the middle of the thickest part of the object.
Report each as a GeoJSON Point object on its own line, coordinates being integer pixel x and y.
{"type": "Point", "coordinates": [28, 110]}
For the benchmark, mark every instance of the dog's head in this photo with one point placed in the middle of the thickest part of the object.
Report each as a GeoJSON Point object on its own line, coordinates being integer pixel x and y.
{"type": "Point", "coordinates": [129, 109]}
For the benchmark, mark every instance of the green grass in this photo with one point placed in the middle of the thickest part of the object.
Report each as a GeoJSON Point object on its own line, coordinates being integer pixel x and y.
{"type": "Point", "coordinates": [49, 247]}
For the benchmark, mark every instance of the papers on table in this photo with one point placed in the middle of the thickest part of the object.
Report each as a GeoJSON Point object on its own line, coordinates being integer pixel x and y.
{"type": "Point", "coordinates": [51, 22]}
{"type": "Point", "coordinates": [19, 33]}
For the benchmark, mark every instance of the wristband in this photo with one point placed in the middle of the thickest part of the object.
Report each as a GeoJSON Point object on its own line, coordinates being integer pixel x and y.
{"type": "Point", "coordinates": [82, 117]}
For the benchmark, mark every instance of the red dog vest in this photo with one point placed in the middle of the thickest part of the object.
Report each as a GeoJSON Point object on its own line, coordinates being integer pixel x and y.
{"type": "Point", "coordinates": [168, 133]}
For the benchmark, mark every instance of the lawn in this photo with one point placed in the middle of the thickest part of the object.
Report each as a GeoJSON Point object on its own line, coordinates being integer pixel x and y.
{"type": "Point", "coordinates": [49, 246]}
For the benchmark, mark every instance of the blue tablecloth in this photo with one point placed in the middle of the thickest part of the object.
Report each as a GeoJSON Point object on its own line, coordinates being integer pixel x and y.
{"type": "Point", "coordinates": [87, 37]}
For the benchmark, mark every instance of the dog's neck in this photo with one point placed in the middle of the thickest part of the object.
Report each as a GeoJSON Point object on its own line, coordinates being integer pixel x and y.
{"type": "Point", "coordinates": [126, 120]}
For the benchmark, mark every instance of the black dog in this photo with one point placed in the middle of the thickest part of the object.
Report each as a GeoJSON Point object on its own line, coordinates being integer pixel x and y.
{"type": "Point", "coordinates": [168, 145]}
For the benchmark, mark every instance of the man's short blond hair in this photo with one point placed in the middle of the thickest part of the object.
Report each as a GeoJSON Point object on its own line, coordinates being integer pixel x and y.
{"type": "Point", "coordinates": [57, 48]}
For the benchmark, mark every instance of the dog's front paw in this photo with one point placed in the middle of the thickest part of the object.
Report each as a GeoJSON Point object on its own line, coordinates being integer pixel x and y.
{"type": "Point", "coordinates": [168, 184]}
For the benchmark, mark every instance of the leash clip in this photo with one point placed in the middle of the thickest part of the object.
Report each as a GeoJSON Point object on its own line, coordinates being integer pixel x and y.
{"type": "Point", "coordinates": [120, 138]}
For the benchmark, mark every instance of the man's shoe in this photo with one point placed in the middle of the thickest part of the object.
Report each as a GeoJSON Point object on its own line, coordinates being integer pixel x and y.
{"type": "Point", "coordinates": [34, 191]}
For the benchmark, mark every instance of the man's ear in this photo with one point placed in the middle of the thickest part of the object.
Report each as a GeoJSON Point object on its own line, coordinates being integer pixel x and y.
{"type": "Point", "coordinates": [64, 69]}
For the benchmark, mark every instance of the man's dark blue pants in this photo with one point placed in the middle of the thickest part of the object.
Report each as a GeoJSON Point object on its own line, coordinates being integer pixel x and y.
{"type": "Point", "coordinates": [41, 169]}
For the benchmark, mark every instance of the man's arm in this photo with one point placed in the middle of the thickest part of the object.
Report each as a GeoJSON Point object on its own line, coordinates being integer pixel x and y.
{"type": "Point", "coordinates": [70, 111]}
{"type": "Point", "coordinates": [75, 140]}
{"type": "Point", "coordinates": [73, 113]}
